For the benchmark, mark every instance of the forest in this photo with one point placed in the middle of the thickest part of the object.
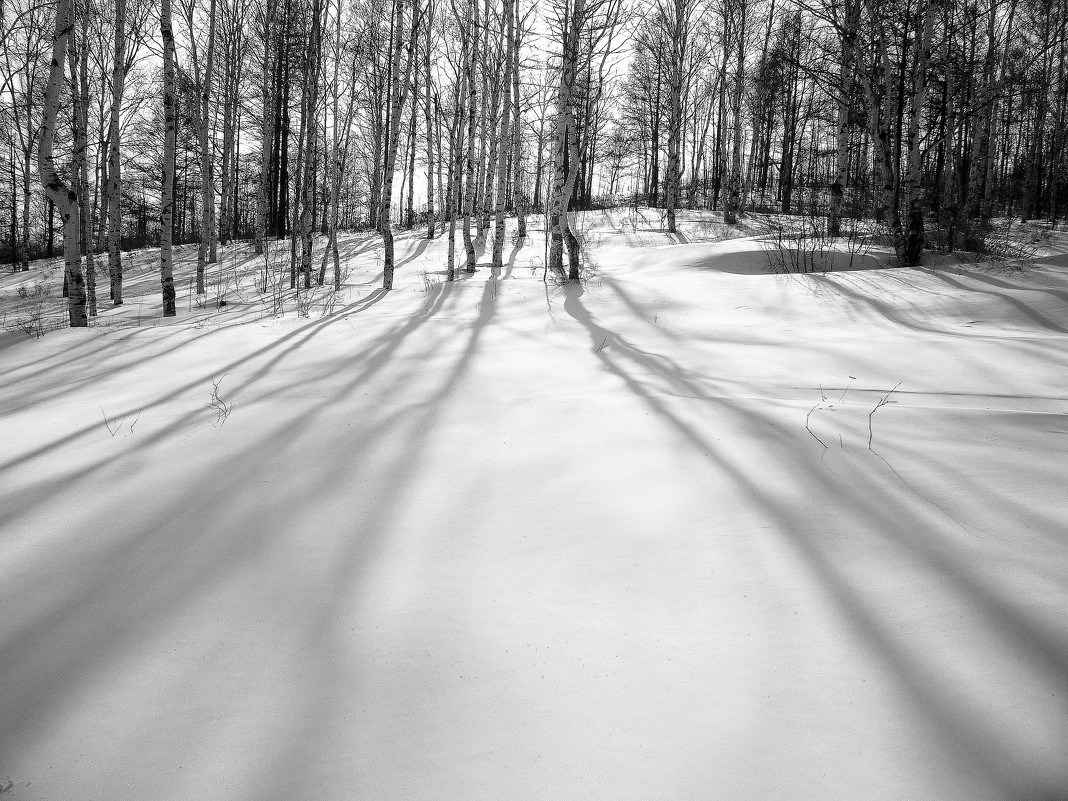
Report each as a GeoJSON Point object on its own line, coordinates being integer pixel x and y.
{"type": "Point", "coordinates": [134, 124]}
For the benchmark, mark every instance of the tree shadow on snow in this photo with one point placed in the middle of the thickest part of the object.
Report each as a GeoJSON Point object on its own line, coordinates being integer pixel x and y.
{"type": "Point", "coordinates": [965, 716]}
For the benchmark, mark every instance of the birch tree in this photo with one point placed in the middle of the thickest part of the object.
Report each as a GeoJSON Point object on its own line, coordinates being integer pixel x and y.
{"type": "Point", "coordinates": [739, 14]}
{"type": "Point", "coordinates": [60, 193]}
{"type": "Point", "coordinates": [166, 257]}
{"type": "Point", "coordinates": [505, 136]}
{"type": "Point", "coordinates": [847, 35]}
{"type": "Point", "coordinates": [312, 69]}
{"type": "Point", "coordinates": [267, 33]}
{"type": "Point", "coordinates": [676, 17]}
{"type": "Point", "coordinates": [472, 113]}
{"type": "Point", "coordinates": [398, 96]}
{"type": "Point", "coordinates": [912, 246]}
{"type": "Point", "coordinates": [565, 145]}
{"type": "Point", "coordinates": [114, 192]}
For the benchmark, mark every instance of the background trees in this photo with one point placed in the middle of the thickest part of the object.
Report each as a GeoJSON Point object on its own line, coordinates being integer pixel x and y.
{"type": "Point", "coordinates": [932, 117]}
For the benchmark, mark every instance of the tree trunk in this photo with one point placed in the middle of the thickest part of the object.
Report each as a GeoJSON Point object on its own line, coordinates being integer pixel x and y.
{"type": "Point", "coordinates": [409, 210]}
{"type": "Point", "coordinates": [677, 18]}
{"type": "Point", "coordinates": [847, 38]}
{"type": "Point", "coordinates": [472, 111]}
{"type": "Point", "coordinates": [398, 96]}
{"type": "Point", "coordinates": [207, 189]}
{"type": "Point", "coordinates": [428, 95]}
{"type": "Point", "coordinates": [912, 250]}
{"type": "Point", "coordinates": [877, 79]}
{"type": "Point", "coordinates": [266, 131]}
{"type": "Point", "coordinates": [167, 187]}
{"type": "Point", "coordinates": [64, 199]}
{"type": "Point", "coordinates": [518, 190]}
{"type": "Point", "coordinates": [311, 133]}
{"type": "Point", "coordinates": [114, 193]}
{"type": "Point", "coordinates": [506, 129]}
{"type": "Point", "coordinates": [733, 206]}
{"type": "Point", "coordinates": [78, 56]}
{"type": "Point", "coordinates": [565, 152]}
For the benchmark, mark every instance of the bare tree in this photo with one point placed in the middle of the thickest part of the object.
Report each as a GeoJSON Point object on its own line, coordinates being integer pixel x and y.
{"type": "Point", "coordinates": [676, 17]}
{"type": "Point", "coordinates": [505, 136]}
{"type": "Point", "coordinates": [114, 191]}
{"type": "Point", "coordinates": [166, 257]}
{"type": "Point", "coordinates": [398, 96]}
{"type": "Point", "coordinates": [267, 35]}
{"type": "Point", "coordinates": [847, 35]}
{"type": "Point", "coordinates": [738, 12]}
{"type": "Point", "coordinates": [63, 196]}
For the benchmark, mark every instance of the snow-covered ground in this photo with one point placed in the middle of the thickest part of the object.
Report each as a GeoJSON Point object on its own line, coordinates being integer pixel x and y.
{"type": "Point", "coordinates": [501, 539]}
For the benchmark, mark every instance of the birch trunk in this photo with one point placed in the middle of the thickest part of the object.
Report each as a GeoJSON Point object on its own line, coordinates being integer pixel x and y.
{"type": "Point", "coordinates": [912, 248]}
{"type": "Point", "coordinates": [456, 155]}
{"type": "Point", "coordinates": [733, 206]}
{"type": "Point", "coordinates": [27, 164]}
{"type": "Point", "coordinates": [333, 165]}
{"type": "Point", "coordinates": [78, 56]}
{"type": "Point", "coordinates": [231, 86]}
{"type": "Point", "coordinates": [565, 168]}
{"type": "Point", "coordinates": [311, 132]}
{"type": "Point", "coordinates": [166, 263]}
{"type": "Point", "coordinates": [518, 190]}
{"type": "Point", "coordinates": [485, 110]}
{"type": "Point", "coordinates": [472, 110]}
{"type": "Point", "coordinates": [266, 130]}
{"type": "Point", "coordinates": [409, 210]}
{"type": "Point", "coordinates": [847, 36]}
{"type": "Point", "coordinates": [492, 155]}
{"type": "Point", "coordinates": [114, 193]}
{"type": "Point", "coordinates": [63, 197]}
{"type": "Point", "coordinates": [877, 79]}
{"type": "Point", "coordinates": [506, 128]}
{"type": "Point", "coordinates": [429, 126]}
{"type": "Point", "coordinates": [207, 190]}
{"type": "Point", "coordinates": [677, 17]}
{"type": "Point", "coordinates": [398, 96]}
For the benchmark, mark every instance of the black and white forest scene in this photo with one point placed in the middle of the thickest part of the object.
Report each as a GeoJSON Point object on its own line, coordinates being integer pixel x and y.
{"type": "Point", "coordinates": [534, 400]}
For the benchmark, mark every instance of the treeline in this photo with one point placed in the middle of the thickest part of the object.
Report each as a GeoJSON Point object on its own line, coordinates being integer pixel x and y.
{"type": "Point", "coordinates": [131, 123]}
{"type": "Point", "coordinates": [933, 116]}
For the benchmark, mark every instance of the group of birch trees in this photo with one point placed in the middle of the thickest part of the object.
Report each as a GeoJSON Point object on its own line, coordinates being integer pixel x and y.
{"type": "Point", "coordinates": [157, 122]}
{"type": "Point", "coordinates": [931, 116]}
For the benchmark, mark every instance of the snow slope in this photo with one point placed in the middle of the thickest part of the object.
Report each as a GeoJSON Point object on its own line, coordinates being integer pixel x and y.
{"type": "Point", "coordinates": [497, 539]}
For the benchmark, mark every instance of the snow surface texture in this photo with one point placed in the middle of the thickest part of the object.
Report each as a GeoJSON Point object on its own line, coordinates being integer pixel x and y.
{"type": "Point", "coordinates": [499, 539]}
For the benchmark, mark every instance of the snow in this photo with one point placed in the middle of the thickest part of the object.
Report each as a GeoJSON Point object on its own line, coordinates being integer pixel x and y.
{"type": "Point", "coordinates": [505, 539]}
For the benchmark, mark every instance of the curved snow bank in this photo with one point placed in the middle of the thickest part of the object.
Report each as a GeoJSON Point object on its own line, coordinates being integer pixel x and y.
{"type": "Point", "coordinates": [753, 256]}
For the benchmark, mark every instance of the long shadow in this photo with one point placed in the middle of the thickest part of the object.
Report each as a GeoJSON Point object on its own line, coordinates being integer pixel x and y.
{"type": "Point", "coordinates": [986, 278]}
{"type": "Point", "coordinates": [284, 345]}
{"type": "Point", "coordinates": [1038, 319]}
{"type": "Point", "coordinates": [105, 620]}
{"type": "Point", "coordinates": [844, 284]}
{"type": "Point", "coordinates": [124, 340]}
{"type": "Point", "coordinates": [415, 254]}
{"type": "Point", "coordinates": [101, 625]}
{"type": "Point", "coordinates": [963, 721]}
{"type": "Point", "coordinates": [512, 254]}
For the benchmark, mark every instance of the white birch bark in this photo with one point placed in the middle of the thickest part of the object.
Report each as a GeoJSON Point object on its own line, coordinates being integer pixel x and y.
{"type": "Point", "coordinates": [398, 96]}
{"type": "Point", "coordinates": [506, 129]}
{"type": "Point", "coordinates": [64, 198]}
{"type": "Point", "coordinates": [266, 127]}
{"type": "Point", "coordinates": [166, 256]}
{"type": "Point", "coordinates": [114, 193]}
